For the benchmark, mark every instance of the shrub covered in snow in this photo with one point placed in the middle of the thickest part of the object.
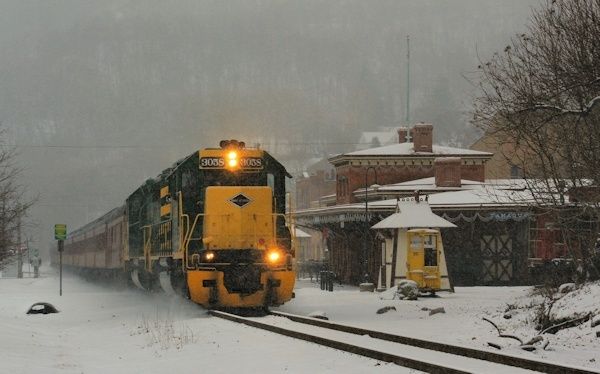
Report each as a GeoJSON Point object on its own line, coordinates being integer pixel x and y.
{"type": "Point", "coordinates": [407, 290]}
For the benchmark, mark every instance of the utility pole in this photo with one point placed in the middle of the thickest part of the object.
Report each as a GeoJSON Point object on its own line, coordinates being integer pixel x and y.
{"type": "Point", "coordinates": [365, 259]}
{"type": "Point", "coordinates": [61, 248]}
{"type": "Point", "coordinates": [60, 234]}
{"type": "Point", "coordinates": [19, 253]}
{"type": "Point", "coordinates": [407, 79]}
{"type": "Point", "coordinates": [3, 240]}
{"type": "Point", "coordinates": [28, 256]}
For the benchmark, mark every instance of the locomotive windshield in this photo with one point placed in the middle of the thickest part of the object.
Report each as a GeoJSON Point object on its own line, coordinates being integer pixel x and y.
{"type": "Point", "coordinates": [224, 178]}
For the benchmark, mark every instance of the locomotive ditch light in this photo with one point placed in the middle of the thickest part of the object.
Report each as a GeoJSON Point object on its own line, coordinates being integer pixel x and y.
{"type": "Point", "coordinates": [274, 256]}
{"type": "Point", "coordinates": [209, 256]}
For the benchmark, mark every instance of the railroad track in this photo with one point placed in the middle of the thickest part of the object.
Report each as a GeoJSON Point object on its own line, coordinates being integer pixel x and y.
{"type": "Point", "coordinates": [427, 356]}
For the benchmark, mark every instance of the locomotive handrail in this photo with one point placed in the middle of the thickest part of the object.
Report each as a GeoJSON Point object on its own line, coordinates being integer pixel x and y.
{"type": "Point", "coordinates": [147, 241]}
{"type": "Point", "coordinates": [191, 231]}
{"type": "Point", "coordinates": [147, 246]}
{"type": "Point", "coordinates": [291, 224]}
{"type": "Point", "coordinates": [182, 233]}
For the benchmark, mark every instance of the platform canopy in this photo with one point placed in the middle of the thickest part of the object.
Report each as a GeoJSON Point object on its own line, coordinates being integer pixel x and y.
{"type": "Point", "coordinates": [413, 215]}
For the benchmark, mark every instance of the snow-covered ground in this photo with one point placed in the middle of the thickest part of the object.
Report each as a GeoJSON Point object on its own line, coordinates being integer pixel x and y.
{"type": "Point", "coordinates": [100, 329]}
{"type": "Point", "coordinates": [103, 330]}
{"type": "Point", "coordinates": [462, 323]}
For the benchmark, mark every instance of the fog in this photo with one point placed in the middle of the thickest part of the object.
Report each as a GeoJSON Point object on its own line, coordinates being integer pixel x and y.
{"type": "Point", "coordinates": [100, 95]}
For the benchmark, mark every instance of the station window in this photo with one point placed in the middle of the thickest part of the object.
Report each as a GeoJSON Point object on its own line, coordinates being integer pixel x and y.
{"type": "Point", "coordinates": [343, 186]}
{"type": "Point", "coordinates": [516, 172]}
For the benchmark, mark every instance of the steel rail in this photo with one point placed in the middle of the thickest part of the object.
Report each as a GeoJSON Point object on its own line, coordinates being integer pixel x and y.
{"type": "Point", "coordinates": [371, 353]}
{"type": "Point", "coordinates": [523, 363]}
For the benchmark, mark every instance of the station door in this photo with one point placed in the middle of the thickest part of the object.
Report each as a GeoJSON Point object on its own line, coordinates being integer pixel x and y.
{"type": "Point", "coordinates": [497, 256]}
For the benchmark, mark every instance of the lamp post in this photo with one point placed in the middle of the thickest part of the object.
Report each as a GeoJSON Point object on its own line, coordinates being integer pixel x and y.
{"type": "Point", "coordinates": [366, 233]}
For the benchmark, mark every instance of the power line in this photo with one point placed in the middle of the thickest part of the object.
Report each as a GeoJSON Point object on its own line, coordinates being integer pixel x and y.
{"type": "Point", "coordinates": [87, 146]}
{"type": "Point", "coordinates": [66, 146]}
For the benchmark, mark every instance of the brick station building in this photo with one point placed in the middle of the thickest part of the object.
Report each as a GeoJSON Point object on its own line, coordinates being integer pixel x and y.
{"type": "Point", "coordinates": [501, 229]}
{"type": "Point", "coordinates": [411, 158]}
{"type": "Point", "coordinates": [338, 221]}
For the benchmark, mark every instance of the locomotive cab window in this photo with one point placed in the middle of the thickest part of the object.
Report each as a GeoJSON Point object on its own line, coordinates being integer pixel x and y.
{"type": "Point", "coordinates": [271, 181]}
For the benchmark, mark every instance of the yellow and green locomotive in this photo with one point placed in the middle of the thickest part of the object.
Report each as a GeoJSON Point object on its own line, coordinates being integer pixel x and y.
{"type": "Point", "coordinates": [213, 226]}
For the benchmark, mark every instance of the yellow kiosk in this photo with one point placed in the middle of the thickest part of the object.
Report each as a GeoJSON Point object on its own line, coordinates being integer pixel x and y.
{"type": "Point", "coordinates": [413, 248]}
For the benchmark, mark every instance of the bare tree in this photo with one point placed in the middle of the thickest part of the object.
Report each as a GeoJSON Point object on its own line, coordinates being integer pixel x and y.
{"type": "Point", "coordinates": [542, 95]}
{"type": "Point", "coordinates": [13, 204]}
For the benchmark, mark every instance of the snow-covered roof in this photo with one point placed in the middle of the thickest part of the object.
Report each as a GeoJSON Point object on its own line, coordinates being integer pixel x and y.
{"type": "Point", "coordinates": [425, 184]}
{"type": "Point", "coordinates": [481, 197]}
{"type": "Point", "coordinates": [485, 196]}
{"type": "Point", "coordinates": [412, 214]}
{"type": "Point", "coordinates": [300, 234]}
{"type": "Point", "coordinates": [492, 194]}
{"type": "Point", "coordinates": [406, 149]}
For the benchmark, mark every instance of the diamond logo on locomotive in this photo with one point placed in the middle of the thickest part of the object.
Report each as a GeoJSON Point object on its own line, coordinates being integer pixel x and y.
{"type": "Point", "coordinates": [240, 200]}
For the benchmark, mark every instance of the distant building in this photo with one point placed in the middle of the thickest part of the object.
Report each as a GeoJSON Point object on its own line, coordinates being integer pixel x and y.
{"type": "Point", "coordinates": [373, 139]}
{"type": "Point", "coordinates": [506, 163]}
{"type": "Point", "coordinates": [317, 181]}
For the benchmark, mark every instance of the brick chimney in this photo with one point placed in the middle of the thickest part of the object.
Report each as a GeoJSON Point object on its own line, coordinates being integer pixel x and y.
{"type": "Point", "coordinates": [422, 134]}
{"type": "Point", "coordinates": [402, 134]}
{"type": "Point", "coordinates": [447, 171]}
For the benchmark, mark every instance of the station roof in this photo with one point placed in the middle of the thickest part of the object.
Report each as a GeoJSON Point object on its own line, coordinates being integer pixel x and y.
{"type": "Point", "coordinates": [423, 185]}
{"type": "Point", "coordinates": [427, 184]}
{"type": "Point", "coordinates": [407, 149]}
{"type": "Point", "coordinates": [493, 194]}
{"type": "Point", "coordinates": [412, 214]}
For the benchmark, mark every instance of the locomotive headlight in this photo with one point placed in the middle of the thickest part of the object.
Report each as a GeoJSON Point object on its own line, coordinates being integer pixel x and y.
{"type": "Point", "coordinates": [232, 159]}
{"type": "Point", "coordinates": [209, 256]}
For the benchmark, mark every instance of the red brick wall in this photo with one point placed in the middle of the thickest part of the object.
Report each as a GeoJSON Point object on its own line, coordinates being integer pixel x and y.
{"type": "Point", "coordinates": [447, 171]}
{"type": "Point", "coordinates": [402, 133]}
{"type": "Point", "coordinates": [388, 174]}
{"type": "Point", "coordinates": [473, 172]}
{"type": "Point", "coordinates": [423, 137]}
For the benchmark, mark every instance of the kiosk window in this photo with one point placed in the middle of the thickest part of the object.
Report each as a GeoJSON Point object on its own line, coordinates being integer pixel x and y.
{"type": "Point", "coordinates": [430, 257]}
